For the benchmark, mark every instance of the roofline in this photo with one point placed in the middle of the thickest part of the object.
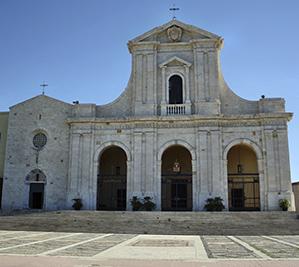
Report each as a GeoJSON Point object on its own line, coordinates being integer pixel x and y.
{"type": "Point", "coordinates": [177, 23]}
{"type": "Point", "coordinates": [40, 95]}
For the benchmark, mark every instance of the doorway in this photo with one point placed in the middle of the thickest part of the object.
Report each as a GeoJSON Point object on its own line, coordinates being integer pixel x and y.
{"type": "Point", "coordinates": [36, 196]}
{"type": "Point", "coordinates": [176, 188]}
{"type": "Point", "coordinates": [112, 179]}
{"type": "Point", "coordinates": [243, 179]}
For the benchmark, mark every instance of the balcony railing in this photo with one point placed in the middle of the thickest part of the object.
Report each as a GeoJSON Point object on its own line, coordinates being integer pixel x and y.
{"type": "Point", "coordinates": [176, 109]}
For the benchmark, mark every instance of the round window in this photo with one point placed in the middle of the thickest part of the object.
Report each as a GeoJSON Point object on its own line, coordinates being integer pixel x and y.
{"type": "Point", "coordinates": [39, 140]}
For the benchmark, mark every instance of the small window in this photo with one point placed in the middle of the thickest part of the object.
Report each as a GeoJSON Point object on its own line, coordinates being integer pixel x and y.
{"type": "Point", "coordinates": [117, 170]}
{"type": "Point", "coordinates": [175, 90]}
{"type": "Point", "coordinates": [39, 140]}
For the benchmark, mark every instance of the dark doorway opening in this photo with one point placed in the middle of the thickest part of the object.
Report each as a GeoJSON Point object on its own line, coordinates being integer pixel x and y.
{"type": "Point", "coordinates": [175, 90]}
{"type": "Point", "coordinates": [237, 198]}
{"type": "Point", "coordinates": [177, 193]}
{"type": "Point", "coordinates": [36, 196]}
{"type": "Point", "coordinates": [244, 192]}
{"type": "Point", "coordinates": [176, 179]}
{"type": "Point", "coordinates": [112, 180]}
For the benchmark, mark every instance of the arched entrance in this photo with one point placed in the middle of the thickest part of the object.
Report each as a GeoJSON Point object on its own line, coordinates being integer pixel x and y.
{"type": "Point", "coordinates": [176, 188]}
{"type": "Point", "coordinates": [112, 179]}
{"type": "Point", "coordinates": [243, 179]}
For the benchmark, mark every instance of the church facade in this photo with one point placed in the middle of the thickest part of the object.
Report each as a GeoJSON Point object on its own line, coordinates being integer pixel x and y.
{"type": "Point", "coordinates": [177, 134]}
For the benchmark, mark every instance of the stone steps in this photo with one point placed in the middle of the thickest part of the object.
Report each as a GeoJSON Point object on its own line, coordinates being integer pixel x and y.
{"type": "Point", "coordinates": [185, 223]}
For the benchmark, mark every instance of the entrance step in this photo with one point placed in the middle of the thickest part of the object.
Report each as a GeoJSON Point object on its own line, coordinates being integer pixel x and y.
{"type": "Point", "coordinates": [174, 223]}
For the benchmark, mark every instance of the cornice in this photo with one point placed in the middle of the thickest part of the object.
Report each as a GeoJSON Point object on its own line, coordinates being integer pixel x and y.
{"type": "Point", "coordinates": [189, 121]}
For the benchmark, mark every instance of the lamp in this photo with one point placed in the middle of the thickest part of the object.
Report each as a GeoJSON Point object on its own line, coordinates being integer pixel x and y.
{"type": "Point", "coordinates": [176, 166]}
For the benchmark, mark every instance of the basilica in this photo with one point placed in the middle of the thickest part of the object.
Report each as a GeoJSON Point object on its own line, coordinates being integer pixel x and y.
{"type": "Point", "coordinates": [177, 134]}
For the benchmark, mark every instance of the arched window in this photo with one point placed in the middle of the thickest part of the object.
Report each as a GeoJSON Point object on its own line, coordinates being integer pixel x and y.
{"type": "Point", "coordinates": [175, 90]}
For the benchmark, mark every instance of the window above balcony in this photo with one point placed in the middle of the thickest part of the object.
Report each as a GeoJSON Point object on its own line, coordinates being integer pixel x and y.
{"type": "Point", "coordinates": [175, 87]}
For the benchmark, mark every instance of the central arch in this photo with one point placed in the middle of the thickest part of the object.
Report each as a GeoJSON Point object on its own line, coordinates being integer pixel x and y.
{"type": "Point", "coordinates": [112, 179]}
{"type": "Point", "coordinates": [176, 179]}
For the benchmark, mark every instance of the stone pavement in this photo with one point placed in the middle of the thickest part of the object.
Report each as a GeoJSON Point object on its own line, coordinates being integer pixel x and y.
{"type": "Point", "coordinates": [91, 248]}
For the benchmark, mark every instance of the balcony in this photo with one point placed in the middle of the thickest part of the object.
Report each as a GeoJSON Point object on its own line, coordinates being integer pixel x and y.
{"type": "Point", "coordinates": [175, 109]}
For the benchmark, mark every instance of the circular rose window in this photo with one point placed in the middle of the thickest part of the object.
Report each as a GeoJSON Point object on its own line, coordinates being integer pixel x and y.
{"type": "Point", "coordinates": [39, 140]}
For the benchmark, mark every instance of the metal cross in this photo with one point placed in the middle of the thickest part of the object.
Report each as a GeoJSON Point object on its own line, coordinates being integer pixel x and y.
{"type": "Point", "coordinates": [43, 85]}
{"type": "Point", "coordinates": [173, 10]}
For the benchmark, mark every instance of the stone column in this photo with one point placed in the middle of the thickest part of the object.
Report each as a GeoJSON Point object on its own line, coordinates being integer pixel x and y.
{"type": "Point", "coordinates": [158, 185]}
{"type": "Point", "coordinates": [74, 169]}
{"type": "Point", "coordinates": [204, 192]}
{"type": "Point", "coordinates": [164, 89]}
{"type": "Point", "coordinates": [138, 78]}
{"type": "Point", "coordinates": [164, 92]}
{"type": "Point", "coordinates": [137, 171]}
{"type": "Point", "coordinates": [194, 185]}
{"type": "Point", "coordinates": [225, 183]}
{"type": "Point", "coordinates": [187, 85]}
{"type": "Point", "coordinates": [129, 183]}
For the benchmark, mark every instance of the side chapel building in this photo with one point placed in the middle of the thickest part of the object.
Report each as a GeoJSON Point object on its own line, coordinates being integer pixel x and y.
{"type": "Point", "coordinates": [177, 133]}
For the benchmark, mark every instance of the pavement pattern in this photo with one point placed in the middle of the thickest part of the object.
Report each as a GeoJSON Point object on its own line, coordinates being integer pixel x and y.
{"type": "Point", "coordinates": [94, 246]}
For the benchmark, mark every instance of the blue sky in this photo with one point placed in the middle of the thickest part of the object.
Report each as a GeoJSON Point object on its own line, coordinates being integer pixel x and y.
{"type": "Point", "coordinates": [79, 48]}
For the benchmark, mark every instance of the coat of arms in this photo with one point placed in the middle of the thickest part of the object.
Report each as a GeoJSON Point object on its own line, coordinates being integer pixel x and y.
{"type": "Point", "coordinates": [174, 34]}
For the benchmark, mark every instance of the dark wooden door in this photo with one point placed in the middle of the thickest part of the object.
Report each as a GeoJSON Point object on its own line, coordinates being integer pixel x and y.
{"type": "Point", "coordinates": [237, 196]}
{"type": "Point", "coordinates": [36, 196]}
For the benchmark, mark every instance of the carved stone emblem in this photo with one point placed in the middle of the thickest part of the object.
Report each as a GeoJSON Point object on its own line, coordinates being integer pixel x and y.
{"type": "Point", "coordinates": [174, 34]}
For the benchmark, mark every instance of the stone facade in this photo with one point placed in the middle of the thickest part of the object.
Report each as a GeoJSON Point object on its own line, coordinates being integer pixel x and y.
{"type": "Point", "coordinates": [3, 136]}
{"type": "Point", "coordinates": [208, 122]}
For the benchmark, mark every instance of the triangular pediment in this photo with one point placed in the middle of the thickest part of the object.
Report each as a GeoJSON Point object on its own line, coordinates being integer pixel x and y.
{"type": "Point", "coordinates": [175, 61]}
{"type": "Point", "coordinates": [188, 32]}
{"type": "Point", "coordinates": [39, 99]}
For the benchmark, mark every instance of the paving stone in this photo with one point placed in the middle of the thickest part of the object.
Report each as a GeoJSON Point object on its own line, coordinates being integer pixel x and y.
{"type": "Point", "coordinates": [162, 243]}
{"type": "Point", "coordinates": [223, 247]}
{"type": "Point", "coordinates": [93, 247]}
{"type": "Point", "coordinates": [25, 240]}
{"type": "Point", "coordinates": [82, 237]}
{"type": "Point", "coordinates": [38, 248]}
{"type": "Point", "coordinates": [270, 247]}
{"type": "Point", "coordinates": [218, 247]}
{"type": "Point", "coordinates": [14, 234]}
{"type": "Point", "coordinates": [288, 238]}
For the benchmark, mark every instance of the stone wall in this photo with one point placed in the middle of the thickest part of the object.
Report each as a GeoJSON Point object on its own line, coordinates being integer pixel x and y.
{"type": "Point", "coordinates": [3, 137]}
{"type": "Point", "coordinates": [39, 114]}
{"type": "Point", "coordinates": [145, 141]}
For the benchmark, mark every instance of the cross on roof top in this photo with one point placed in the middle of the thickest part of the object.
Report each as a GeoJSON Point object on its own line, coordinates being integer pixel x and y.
{"type": "Point", "coordinates": [173, 9]}
{"type": "Point", "coordinates": [43, 85]}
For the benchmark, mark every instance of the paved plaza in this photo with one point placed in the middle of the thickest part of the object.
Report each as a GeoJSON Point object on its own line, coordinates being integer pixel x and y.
{"type": "Point", "coordinates": [95, 247]}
